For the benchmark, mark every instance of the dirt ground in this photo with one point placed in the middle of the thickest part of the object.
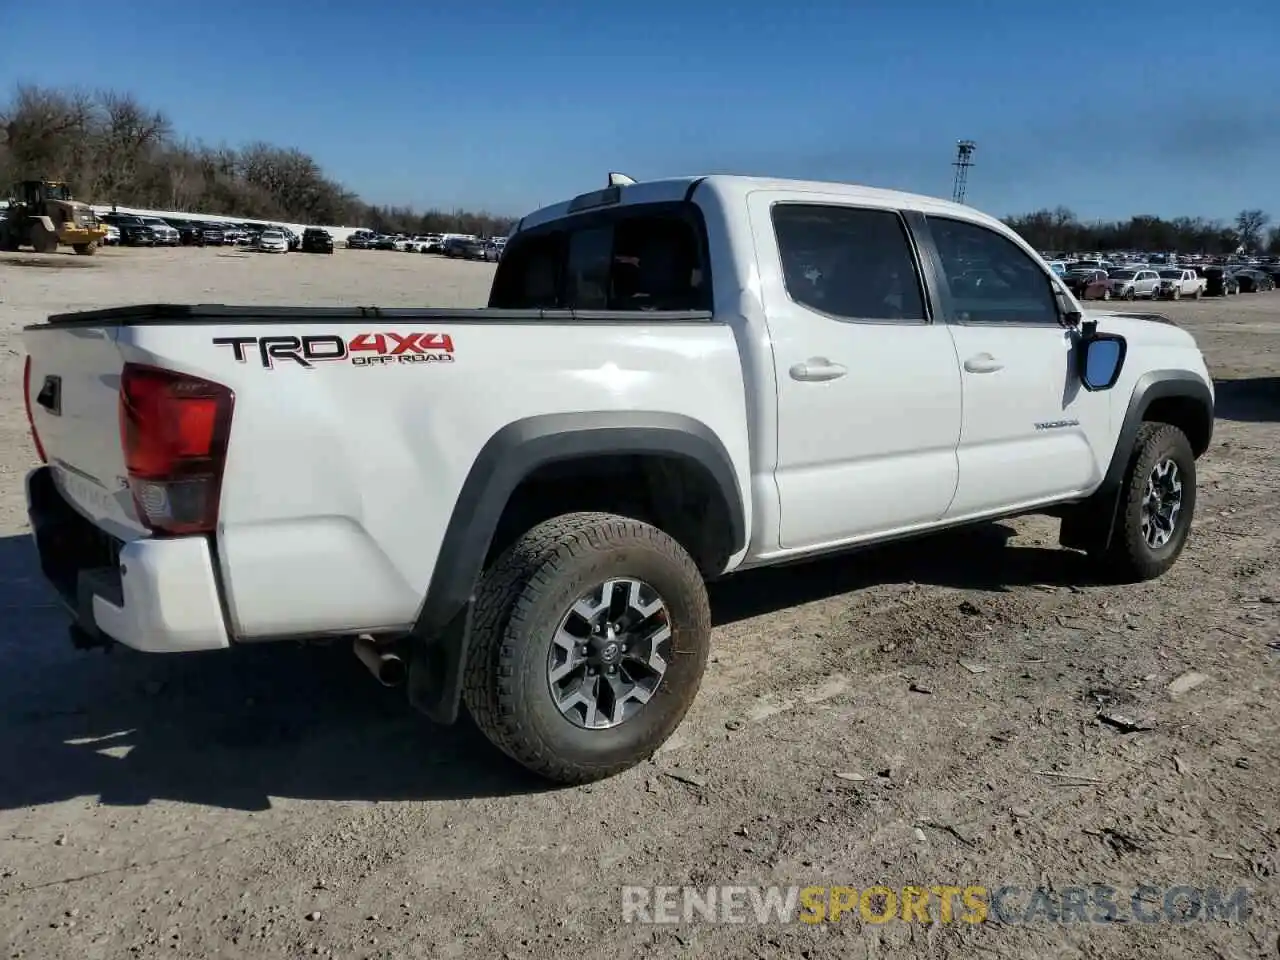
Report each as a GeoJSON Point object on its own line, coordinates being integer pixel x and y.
{"type": "Point", "coordinates": [925, 714]}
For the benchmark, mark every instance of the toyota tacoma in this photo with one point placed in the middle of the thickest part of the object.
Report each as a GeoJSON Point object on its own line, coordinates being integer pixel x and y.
{"type": "Point", "coordinates": [516, 508]}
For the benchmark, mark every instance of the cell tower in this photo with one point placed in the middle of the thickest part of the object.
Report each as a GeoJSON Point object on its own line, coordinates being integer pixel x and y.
{"type": "Point", "coordinates": [963, 161]}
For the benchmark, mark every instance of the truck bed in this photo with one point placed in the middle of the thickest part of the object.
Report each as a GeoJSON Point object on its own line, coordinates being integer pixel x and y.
{"type": "Point", "coordinates": [343, 472]}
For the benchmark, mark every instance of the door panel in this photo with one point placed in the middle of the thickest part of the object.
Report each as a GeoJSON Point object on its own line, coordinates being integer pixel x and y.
{"type": "Point", "coordinates": [869, 405]}
{"type": "Point", "coordinates": [1027, 422]}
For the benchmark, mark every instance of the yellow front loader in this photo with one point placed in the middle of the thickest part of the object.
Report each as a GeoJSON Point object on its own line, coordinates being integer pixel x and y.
{"type": "Point", "coordinates": [43, 214]}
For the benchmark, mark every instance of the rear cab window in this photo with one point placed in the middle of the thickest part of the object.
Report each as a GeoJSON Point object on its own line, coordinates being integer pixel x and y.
{"type": "Point", "coordinates": [638, 257]}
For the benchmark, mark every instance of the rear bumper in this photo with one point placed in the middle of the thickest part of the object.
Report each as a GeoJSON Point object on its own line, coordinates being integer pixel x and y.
{"type": "Point", "coordinates": [155, 595]}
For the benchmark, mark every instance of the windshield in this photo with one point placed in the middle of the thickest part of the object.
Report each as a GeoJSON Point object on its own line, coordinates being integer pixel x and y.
{"type": "Point", "coordinates": [1171, 274]}
{"type": "Point", "coordinates": [154, 220]}
{"type": "Point", "coordinates": [1121, 274]}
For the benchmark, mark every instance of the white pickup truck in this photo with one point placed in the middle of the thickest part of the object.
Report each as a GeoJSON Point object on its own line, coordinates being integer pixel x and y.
{"type": "Point", "coordinates": [516, 508]}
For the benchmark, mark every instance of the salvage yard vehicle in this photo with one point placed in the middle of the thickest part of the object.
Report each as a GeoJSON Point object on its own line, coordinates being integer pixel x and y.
{"type": "Point", "coordinates": [1220, 282]}
{"type": "Point", "coordinates": [517, 508]}
{"type": "Point", "coordinates": [1178, 283]}
{"type": "Point", "coordinates": [1131, 284]}
{"type": "Point", "coordinates": [1091, 284]}
{"type": "Point", "coordinates": [1249, 280]}
{"type": "Point", "coordinates": [315, 240]}
{"type": "Point", "coordinates": [42, 214]}
{"type": "Point", "coordinates": [165, 234]}
{"type": "Point", "coordinates": [272, 241]}
{"type": "Point", "coordinates": [133, 231]}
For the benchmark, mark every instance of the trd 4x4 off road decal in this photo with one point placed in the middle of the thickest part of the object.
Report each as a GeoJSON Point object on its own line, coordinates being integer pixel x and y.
{"type": "Point", "coordinates": [362, 350]}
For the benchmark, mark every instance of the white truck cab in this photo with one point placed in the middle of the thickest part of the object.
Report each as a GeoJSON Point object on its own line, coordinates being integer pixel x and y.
{"type": "Point", "coordinates": [516, 507]}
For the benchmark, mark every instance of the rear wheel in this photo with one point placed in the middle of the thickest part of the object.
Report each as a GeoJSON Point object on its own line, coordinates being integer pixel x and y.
{"type": "Point", "coordinates": [590, 636]}
{"type": "Point", "coordinates": [85, 249]}
{"type": "Point", "coordinates": [1157, 503]}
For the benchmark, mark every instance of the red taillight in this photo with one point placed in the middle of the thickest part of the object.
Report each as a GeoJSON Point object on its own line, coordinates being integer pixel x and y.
{"type": "Point", "coordinates": [174, 430]}
{"type": "Point", "coordinates": [31, 420]}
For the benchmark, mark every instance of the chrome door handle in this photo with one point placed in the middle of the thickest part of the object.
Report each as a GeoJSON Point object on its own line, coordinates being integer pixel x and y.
{"type": "Point", "coordinates": [818, 369]}
{"type": "Point", "coordinates": [983, 363]}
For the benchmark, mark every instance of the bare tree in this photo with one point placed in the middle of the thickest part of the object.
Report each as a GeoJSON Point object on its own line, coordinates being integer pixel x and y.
{"type": "Point", "coordinates": [1250, 226]}
{"type": "Point", "coordinates": [46, 131]}
{"type": "Point", "coordinates": [115, 149]}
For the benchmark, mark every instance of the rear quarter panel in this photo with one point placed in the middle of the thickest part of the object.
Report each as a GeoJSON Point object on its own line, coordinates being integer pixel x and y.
{"type": "Point", "coordinates": [341, 479]}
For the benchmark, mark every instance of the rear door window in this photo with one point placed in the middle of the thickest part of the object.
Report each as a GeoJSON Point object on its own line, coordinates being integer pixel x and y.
{"type": "Point", "coordinates": [848, 262]}
{"type": "Point", "coordinates": [633, 258]}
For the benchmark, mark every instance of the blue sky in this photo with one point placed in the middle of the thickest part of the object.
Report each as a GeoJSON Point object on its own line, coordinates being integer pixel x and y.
{"type": "Point", "coordinates": [1108, 108]}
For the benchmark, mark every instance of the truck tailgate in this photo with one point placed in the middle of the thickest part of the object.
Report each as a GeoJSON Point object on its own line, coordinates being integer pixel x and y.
{"type": "Point", "coordinates": [73, 393]}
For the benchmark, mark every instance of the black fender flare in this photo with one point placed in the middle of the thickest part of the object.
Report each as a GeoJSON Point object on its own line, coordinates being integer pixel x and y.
{"type": "Point", "coordinates": [1152, 386]}
{"type": "Point", "coordinates": [441, 634]}
{"type": "Point", "coordinates": [1091, 527]}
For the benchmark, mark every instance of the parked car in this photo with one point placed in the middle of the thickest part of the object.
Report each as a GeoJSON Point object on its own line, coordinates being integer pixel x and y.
{"type": "Point", "coordinates": [360, 240]}
{"type": "Point", "coordinates": [112, 239]}
{"type": "Point", "coordinates": [190, 233]}
{"type": "Point", "coordinates": [293, 238]}
{"type": "Point", "coordinates": [272, 241]}
{"type": "Point", "coordinates": [1090, 284]}
{"type": "Point", "coordinates": [133, 231]}
{"type": "Point", "coordinates": [539, 552]}
{"type": "Point", "coordinates": [1254, 281]}
{"type": "Point", "coordinates": [1219, 282]}
{"type": "Point", "coordinates": [315, 240]}
{"type": "Point", "coordinates": [466, 248]}
{"type": "Point", "coordinates": [1132, 284]}
{"type": "Point", "coordinates": [212, 235]}
{"type": "Point", "coordinates": [166, 235]}
{"type": "Point", "coordinates": [1176, 283]}
{"type": "Point", "coordinates": [383, 241]}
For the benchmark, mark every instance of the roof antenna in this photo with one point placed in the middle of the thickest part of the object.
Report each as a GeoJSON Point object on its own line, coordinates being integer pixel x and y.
{"type": "Point", "coordinates": [620, 180]}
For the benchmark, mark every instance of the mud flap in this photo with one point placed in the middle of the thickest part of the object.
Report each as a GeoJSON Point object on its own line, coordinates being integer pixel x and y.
{"type": "Point", "coordinates": [436, 668]}
{"type": "Point", "coordinates": [1089, 526]}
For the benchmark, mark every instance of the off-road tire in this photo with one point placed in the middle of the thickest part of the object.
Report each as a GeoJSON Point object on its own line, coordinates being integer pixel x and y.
{"type": "Point", "coordinates": [1129, 558]}
{"type": "Point", "coordinates": [519, 605]}
{"type": "Point", "coordinates": [42, 240]}
{"type": "Point", "coordinates": [85, 249]}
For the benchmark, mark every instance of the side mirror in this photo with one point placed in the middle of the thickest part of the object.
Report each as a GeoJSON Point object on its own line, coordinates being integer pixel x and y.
{"type": "Point", "coordinates": [1101, 358]}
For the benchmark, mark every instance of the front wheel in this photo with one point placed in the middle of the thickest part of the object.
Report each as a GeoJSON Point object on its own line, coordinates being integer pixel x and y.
{"type": "Point", "coordinates": [1130, 294]}
{"type": "Point", "coordinates": [1156, 506]}
{"type": "Point", "coordinates": [1196, 295]}
{"type": "Point", "coordinates": [590, 636]}
{"type": "Point", "coordinates": [1106, 293]}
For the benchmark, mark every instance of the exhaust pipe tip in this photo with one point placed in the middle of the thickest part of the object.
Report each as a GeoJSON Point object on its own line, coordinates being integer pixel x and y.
{"type": "Point", "coordinates": [381, 660]}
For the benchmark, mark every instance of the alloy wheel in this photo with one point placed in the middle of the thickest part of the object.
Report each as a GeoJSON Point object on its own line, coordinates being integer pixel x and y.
{"type": "Point", "coordinates": [609, 654]}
